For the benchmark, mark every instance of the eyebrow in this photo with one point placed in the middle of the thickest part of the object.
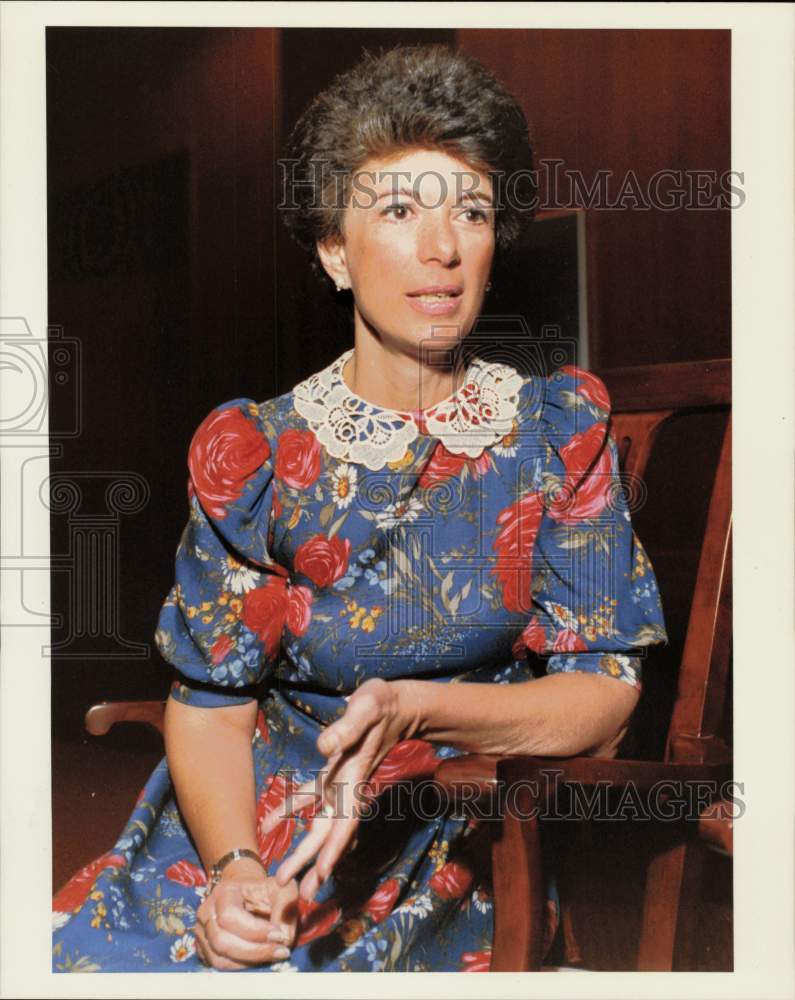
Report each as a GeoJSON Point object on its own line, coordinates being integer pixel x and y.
{"type": "Point", "coordinates": [466, 196]}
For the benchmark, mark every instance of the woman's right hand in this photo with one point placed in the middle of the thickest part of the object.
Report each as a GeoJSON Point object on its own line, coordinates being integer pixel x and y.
{"type": "Point", "coordinates": [247, 920]}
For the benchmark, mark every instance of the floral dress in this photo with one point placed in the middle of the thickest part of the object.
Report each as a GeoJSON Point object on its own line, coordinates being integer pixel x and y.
{"type": "Point", "coordinates": [485, 540]}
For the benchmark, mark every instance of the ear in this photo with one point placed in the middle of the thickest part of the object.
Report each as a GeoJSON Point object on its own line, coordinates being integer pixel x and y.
{"type": "Point", "coordinates": [332, 256]}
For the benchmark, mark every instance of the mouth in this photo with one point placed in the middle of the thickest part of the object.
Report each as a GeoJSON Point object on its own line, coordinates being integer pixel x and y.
{"type": "Point", "coordinates": [437, 293]}
{"type": "Point", "coordinates": [436, 300]}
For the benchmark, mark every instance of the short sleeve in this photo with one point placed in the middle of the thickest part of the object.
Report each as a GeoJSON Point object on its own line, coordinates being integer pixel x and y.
{"type": "Point", "coordinates": [220, 624]}
{"type": "Point", "coordinates": [594, 602]}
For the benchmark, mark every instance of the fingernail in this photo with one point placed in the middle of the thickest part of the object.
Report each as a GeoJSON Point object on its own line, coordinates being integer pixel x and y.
{"type": "Point", "coordinates": [282, 952]}
{"type": "Point", "coordinates": [278, 936]}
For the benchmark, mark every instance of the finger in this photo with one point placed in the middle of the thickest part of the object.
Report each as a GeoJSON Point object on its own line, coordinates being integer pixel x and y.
{"type": "Point", "coordinates": [336, 844]}
{"type": "Point", "coordinates": [225, 945]}
{"type": "Point", "coordinates": [201, 944]}
{"type": "Point", "coordinates": [328, 857]}
{"type": "Point", "coordinates": [293, 803]}
{"type": "Point", "coordinates": [285, 910]}
{"type": "Point", "coordinates": [306, 850]}
{"type": "Point", "coordinates": [206, 952]}
{"type": "Point", "coordinates": [257, 899]}
{"type": "Point", "coordinates": [232, 916]}
{"type": "Point", "coordinates": [346, 732]}
{"type": "Point", "coordinates": [257, 908]}
{"type": "Point", "coordinates": [310, 884]}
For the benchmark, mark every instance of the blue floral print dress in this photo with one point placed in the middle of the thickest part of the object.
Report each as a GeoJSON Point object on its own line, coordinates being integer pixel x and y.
{"type": "Point", "coordinates": [484, 540]}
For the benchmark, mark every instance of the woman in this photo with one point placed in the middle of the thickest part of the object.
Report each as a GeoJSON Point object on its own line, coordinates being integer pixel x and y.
{"type": "Point", "coordinates": [409, 517]}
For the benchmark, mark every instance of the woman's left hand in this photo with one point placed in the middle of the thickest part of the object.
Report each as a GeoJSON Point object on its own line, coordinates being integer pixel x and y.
{"type": "Point", "coordinates": [375, 720]}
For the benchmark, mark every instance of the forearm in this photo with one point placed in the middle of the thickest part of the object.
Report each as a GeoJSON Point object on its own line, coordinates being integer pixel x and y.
{"type": "Point", "coordinates": [557, 715]}
{"type": "Point", "coordinates": [210, 761]}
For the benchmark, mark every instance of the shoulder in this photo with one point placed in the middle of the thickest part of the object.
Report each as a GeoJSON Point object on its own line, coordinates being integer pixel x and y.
{"type": "Point", "coordinates": [567, 402]}
{"type": "Point", "coordinates": [242, 423]}
{"type": "Point", "coordinates": [231, 453]}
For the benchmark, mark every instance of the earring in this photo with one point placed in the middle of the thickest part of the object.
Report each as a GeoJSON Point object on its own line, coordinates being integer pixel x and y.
{"type": "Point", "coordinates": [488, 287]}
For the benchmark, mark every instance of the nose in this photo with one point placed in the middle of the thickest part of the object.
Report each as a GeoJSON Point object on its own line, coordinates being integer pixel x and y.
{"type": "Point", "coordinates": [437, 241]}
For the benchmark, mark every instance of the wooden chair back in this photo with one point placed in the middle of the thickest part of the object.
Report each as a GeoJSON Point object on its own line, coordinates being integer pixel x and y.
{"type": "Point", "coordinates": [644, 400]}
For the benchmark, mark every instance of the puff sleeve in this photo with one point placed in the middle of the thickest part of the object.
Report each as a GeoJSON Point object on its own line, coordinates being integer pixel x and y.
{"type": "Point", "coordinates": [593, 600]}
{"type": "Point", "coordinates": [220, 625]}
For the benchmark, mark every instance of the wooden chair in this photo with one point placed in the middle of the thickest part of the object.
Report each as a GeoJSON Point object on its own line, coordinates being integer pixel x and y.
{"type": "Point", "coordinates": [644, 400]}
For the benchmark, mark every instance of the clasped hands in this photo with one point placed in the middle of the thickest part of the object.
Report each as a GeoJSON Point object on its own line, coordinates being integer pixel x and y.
{"type": "Point", "coordinates": [250, 918]}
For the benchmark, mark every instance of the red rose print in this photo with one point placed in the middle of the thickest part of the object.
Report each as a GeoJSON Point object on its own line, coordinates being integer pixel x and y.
{"type": "Point", "coordinates": [443, 464]}
{"type": "Point", "coordinates": [476, 961]}
{"type": "Point", "coordinates": [262, 725]}
{"type": "Point", "coordinates": [298, 458]}
{"type": "Point", "coordinates": [226, 451]}
{"type": "Point", "coordinates": [588, 477]}
{"type": "Point", "coordinates": [274, 845]}
{"type": "Point", "coordinates": [222, 647]}
{"type": "Point", "coordinates": [265, 610]}
{"type": "Point", "coordinates": [273, 794]}
{"type": "Point", "coordinates": [299, 609]}
{"type": "Point", "coordinates": [451, 881]}
{"type": "Point", "coordinates": [589, 386]}
{"type": "Point", "coordinates": [406, 760]}
{"type": "Point", "coordinates": [324, 560]}
{"type": "Point", "coordinates": [516, 582]}
{"type": "Point", "coordinates": [74, 893]}
{"type": "Point", "coordinates": [185, 873]}
{"type": "Point", "coordinates": [568, 641]}
{"type": "Point", "coordinates": [514, 545]}
{"type": "Point", "coordinates": [380, 904]}
{"type": "Point", "coordinates": [519, 527]}
{"type": "Point", "coordinates": [315, 919]}
{"type": "Point", "coordinates": [534, 637]}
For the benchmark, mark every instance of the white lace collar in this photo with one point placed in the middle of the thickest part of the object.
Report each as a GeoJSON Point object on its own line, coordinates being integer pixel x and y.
{"type": "Point", "coordinates": [479, 414]}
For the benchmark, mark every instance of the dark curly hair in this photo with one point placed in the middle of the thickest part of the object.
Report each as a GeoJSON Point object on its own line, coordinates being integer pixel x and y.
{"type": "Point", "coordinates": [419, 96]}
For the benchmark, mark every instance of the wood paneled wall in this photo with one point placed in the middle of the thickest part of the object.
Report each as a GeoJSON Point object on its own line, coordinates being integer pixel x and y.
{"type": "Point", "coordinates": [642, 101]}
{"type": "Point", "coordinates": [161, 220]}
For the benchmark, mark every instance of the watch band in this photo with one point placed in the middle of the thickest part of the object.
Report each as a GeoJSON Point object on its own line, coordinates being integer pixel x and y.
{"type": "Point", "coordinates": [235, 855]}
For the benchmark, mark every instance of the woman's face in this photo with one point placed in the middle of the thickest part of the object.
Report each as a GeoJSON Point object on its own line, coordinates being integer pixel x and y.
{"type": "Point", "coordinates": [418, 243]}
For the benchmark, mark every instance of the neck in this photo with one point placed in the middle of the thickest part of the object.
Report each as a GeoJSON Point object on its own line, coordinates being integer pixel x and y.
{"type": "Point", "coordinates": [400, 380]}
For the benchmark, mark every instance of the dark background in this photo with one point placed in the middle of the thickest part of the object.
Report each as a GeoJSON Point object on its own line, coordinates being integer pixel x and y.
{"type": "Point", "coordinates": [169, 265]}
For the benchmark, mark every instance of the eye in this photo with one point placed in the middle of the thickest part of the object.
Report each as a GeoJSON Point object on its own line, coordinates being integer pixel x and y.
{"type": "Point", "coordinates": [398, 211]}
{"type": "Point", "coordinates": [477, 215]}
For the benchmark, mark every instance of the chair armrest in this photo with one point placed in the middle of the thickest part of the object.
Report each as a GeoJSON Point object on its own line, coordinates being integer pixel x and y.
{"type": "Point", "coordinates": [479, 777]}
{"type": "Point", "coordinates": [643, 774]}
{"type": "Point", "coordinates": [473, 775]}
{"type": "Point", "coordinates": [716, 826]}
{"type": "Point", "coordinates": [101, 718]}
